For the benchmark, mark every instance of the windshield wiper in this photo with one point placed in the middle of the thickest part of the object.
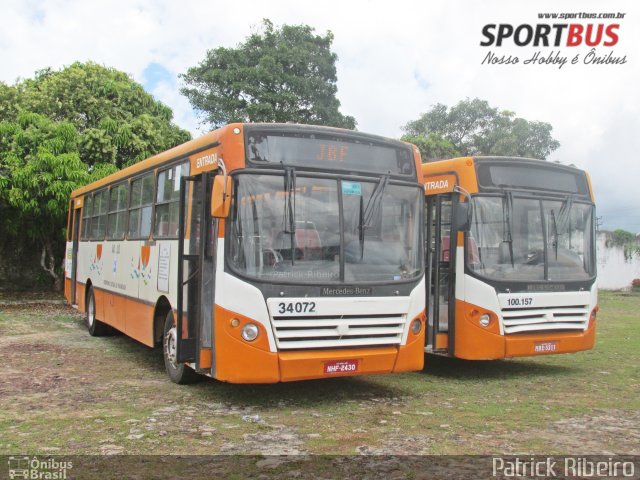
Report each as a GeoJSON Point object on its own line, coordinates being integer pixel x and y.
{"type": "Point", "coordinates": [290, 207]}
{"type": "Point", "coordinates": [506, 217]}
{"type": "Point", "coordinates": [564, 216]}
{"type": "Point", "coordinates": [238, 219]}
{"type": "Point", "coordinates": [361, 228]}
{"type": "Point", "coordinates": [554, 225]}
{"type": "Point", "coordinates": [368, 213]}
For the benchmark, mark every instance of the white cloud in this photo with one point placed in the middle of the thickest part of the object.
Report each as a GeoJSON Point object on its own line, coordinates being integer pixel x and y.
{"type": "Point", "coordinates": [387, 53]}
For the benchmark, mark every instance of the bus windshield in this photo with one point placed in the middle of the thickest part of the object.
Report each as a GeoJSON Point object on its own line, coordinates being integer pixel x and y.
{"type": "Point", "coordinates": [289, 230]}
{"type": "Point", "coordinates": [516, 238]}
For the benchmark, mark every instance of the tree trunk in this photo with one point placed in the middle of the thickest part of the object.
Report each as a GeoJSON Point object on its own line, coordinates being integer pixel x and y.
{"type": "Point", "coordinates": [48, 264]}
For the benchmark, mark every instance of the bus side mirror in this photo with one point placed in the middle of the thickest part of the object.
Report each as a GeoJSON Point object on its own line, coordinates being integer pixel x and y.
{"type": "Point", "coordinates": [462, 217]}
{"type": "Point", "coordinates": [221, 196]}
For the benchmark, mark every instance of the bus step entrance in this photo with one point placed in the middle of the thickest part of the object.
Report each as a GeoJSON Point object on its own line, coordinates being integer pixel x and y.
{"type": "Point", "coordinates": [196, 268]}
{"type": "Point", "coordinates": [189, 273]}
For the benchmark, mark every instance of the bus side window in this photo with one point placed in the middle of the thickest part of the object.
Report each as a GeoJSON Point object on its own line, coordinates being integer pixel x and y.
{"type": "Point", "coordinates": [86, 217]}
{"type": "Point", "coordinates": [117, 212]}
{"type": "Point", "coordinates": [98, 219]}
{"type": "Point", "coordinates": [140, 207]}
{"type": "Point", "coordinates": [167, 200]}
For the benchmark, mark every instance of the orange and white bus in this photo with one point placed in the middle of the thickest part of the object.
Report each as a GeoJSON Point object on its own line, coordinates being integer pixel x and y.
{"type": "Point", "coordinates": [258, 253]}
{"type": "Point", "coordinates": [510, 258]}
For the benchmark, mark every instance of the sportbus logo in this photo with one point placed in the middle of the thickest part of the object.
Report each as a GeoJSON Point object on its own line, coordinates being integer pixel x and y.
{"type": "Point", "coordinates": [33, 468]}
{"type": "Point", "coordinates": [587, 38]}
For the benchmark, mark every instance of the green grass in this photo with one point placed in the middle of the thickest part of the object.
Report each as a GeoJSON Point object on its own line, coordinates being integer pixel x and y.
{"type": "Point", "coordinates": [68, 393]}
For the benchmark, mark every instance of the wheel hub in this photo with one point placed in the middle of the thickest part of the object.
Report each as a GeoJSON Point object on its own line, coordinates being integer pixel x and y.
{"type": "Point", "coordinates": [91, 311]}
{"type": "Point", "coordinates": [170, 346]}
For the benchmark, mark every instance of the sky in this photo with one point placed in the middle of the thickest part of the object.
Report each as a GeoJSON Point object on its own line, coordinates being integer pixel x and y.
{"type": "Point", "coordinates": [395, 60]}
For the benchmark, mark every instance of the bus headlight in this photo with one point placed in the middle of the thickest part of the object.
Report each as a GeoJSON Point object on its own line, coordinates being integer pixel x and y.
{"type": "Point", "coordinates": [250, 332]}
{"type": "Point", "coordinates": [416, 326]}
{"type": "Point", "coordinates": [485, 319]}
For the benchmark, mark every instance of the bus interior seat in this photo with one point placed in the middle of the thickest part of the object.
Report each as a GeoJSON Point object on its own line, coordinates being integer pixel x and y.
{"type": "Point", "coordinates": [307, 244]}
{"type": "Point", "coordinates": [445, 249]}
{"type": "Point", "coordinates": [473, 254]}
{"type": "Point", "coordinates": [309, 241]}
{"type": "Point", "coordinates": [163, 226]}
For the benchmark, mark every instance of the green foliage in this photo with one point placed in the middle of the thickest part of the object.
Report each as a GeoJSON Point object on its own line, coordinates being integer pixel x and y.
{"type": "Point", "coordinates": [622, 237]}
{"type": "Point", "coordinates": [432, 146]}
{"type": "Point", "coordinates": [107, 108]}
{"type": "Point", "coordinates": [97, 146]}
{"type": "Point", "coordinates": [42, 166]}
{"type": "Point", "coordinates": [627, 241]}
{"type": "Point", "coordinates": [473, 127]}
{"type": "Point", "coordinates": [8, 101]}
{"type": "Point", "coordinates": [64, 129]}
{"type": "Point", "coordinates": [276, 75]}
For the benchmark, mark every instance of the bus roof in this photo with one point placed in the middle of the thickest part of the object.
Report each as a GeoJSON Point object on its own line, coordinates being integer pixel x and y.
{"type": "Point", "coordinates": [220, 137]}
{"type": "Point", "coordinates": [497, 158]}
{"type": "Point", "coordinates": [183, 150]}
{"type": "Point", "coordinates": [465, 169]}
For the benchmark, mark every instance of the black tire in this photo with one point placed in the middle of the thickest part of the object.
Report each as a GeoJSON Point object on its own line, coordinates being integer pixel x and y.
{"type": "Point", "coordinates": [95, 327]}
{"type": "Point", "coordinates": [178, 372]}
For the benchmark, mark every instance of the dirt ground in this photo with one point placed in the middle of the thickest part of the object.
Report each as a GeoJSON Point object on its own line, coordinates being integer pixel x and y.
{"type": "Point", "coordinates": [64, 392]}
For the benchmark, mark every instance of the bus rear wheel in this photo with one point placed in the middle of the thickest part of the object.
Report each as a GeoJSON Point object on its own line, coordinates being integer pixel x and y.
{"type": "Point", "coordinates": [178, 372]}
{"type": "Point", "coordinates": [95, 327]}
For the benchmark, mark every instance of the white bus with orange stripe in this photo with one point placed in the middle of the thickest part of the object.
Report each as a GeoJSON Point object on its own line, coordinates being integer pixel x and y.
{"type": "Point", "coordinates": [510, 258]}
{"type": "Point", "coordinates": [258, 253]}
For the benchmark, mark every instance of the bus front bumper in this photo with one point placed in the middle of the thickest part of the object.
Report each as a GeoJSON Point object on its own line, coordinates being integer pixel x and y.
{"type": "Point", "coordinates": [246, 364]}
{"type": "Point", "coordinates": [549, 343]}
{"type": "Point", "coordinates": [490, 346]}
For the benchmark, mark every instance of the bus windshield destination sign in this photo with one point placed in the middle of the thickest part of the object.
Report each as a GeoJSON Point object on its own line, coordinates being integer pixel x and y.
{"type": "Point", "coordinates": [338, 153]}
{"type": "Point", "coordinates": [535, 177]}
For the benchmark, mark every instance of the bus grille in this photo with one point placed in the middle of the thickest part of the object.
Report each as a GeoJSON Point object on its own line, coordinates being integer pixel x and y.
{"type": "Point", "coordinates": [338, 331]}
{"type": "Point", "coordinates": [518, 320]}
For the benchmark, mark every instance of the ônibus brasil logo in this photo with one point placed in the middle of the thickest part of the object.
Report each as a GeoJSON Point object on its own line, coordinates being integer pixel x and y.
{"type": "Point", "coordinates": [34, 468]}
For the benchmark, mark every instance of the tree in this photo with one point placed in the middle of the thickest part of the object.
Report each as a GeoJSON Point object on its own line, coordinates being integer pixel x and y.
{"type": "Point", "coordinates": [432, 146]}
{"type": "Point", "coordinates": [118, 122]}
{"type": "Point", "coordinates": [8, 102]}
{"type": "Point", "coordinates": [63, 130]}
{"type": "Point", "coordinates": [628, 242]}
{"type": "Point", "coordinates": [43, 166]}
{"type": "Point", "coordinates": [473, 127]}
{"type": "Point", "coordinates": [276, 75]}
{"type": "Point", "coordinates": [622, 237]}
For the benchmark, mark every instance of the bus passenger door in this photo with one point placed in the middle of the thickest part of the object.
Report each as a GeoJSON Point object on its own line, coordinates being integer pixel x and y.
{"type": "Point", "coordinates": [75, 239]}
{"type": "Point", "coordinates": [196, 269]}
{"type": "Point", "coordinates": [440, 248]}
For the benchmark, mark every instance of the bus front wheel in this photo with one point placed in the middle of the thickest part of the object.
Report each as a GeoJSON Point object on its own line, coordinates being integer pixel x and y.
{"type": "Point", "coordinates": [178, 372]}
{"type": "Point", "coordinates": [96, 327]}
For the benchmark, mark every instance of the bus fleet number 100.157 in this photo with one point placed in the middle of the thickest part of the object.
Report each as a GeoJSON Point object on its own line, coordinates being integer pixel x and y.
{"type": "Point", "coordinates": [520, 302]}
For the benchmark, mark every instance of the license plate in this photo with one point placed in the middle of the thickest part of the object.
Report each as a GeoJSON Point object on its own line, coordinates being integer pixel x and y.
{"type": "Point", "coordinates": [545, 347]}
{"type": "Point", "coordinates": [341, 366]}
